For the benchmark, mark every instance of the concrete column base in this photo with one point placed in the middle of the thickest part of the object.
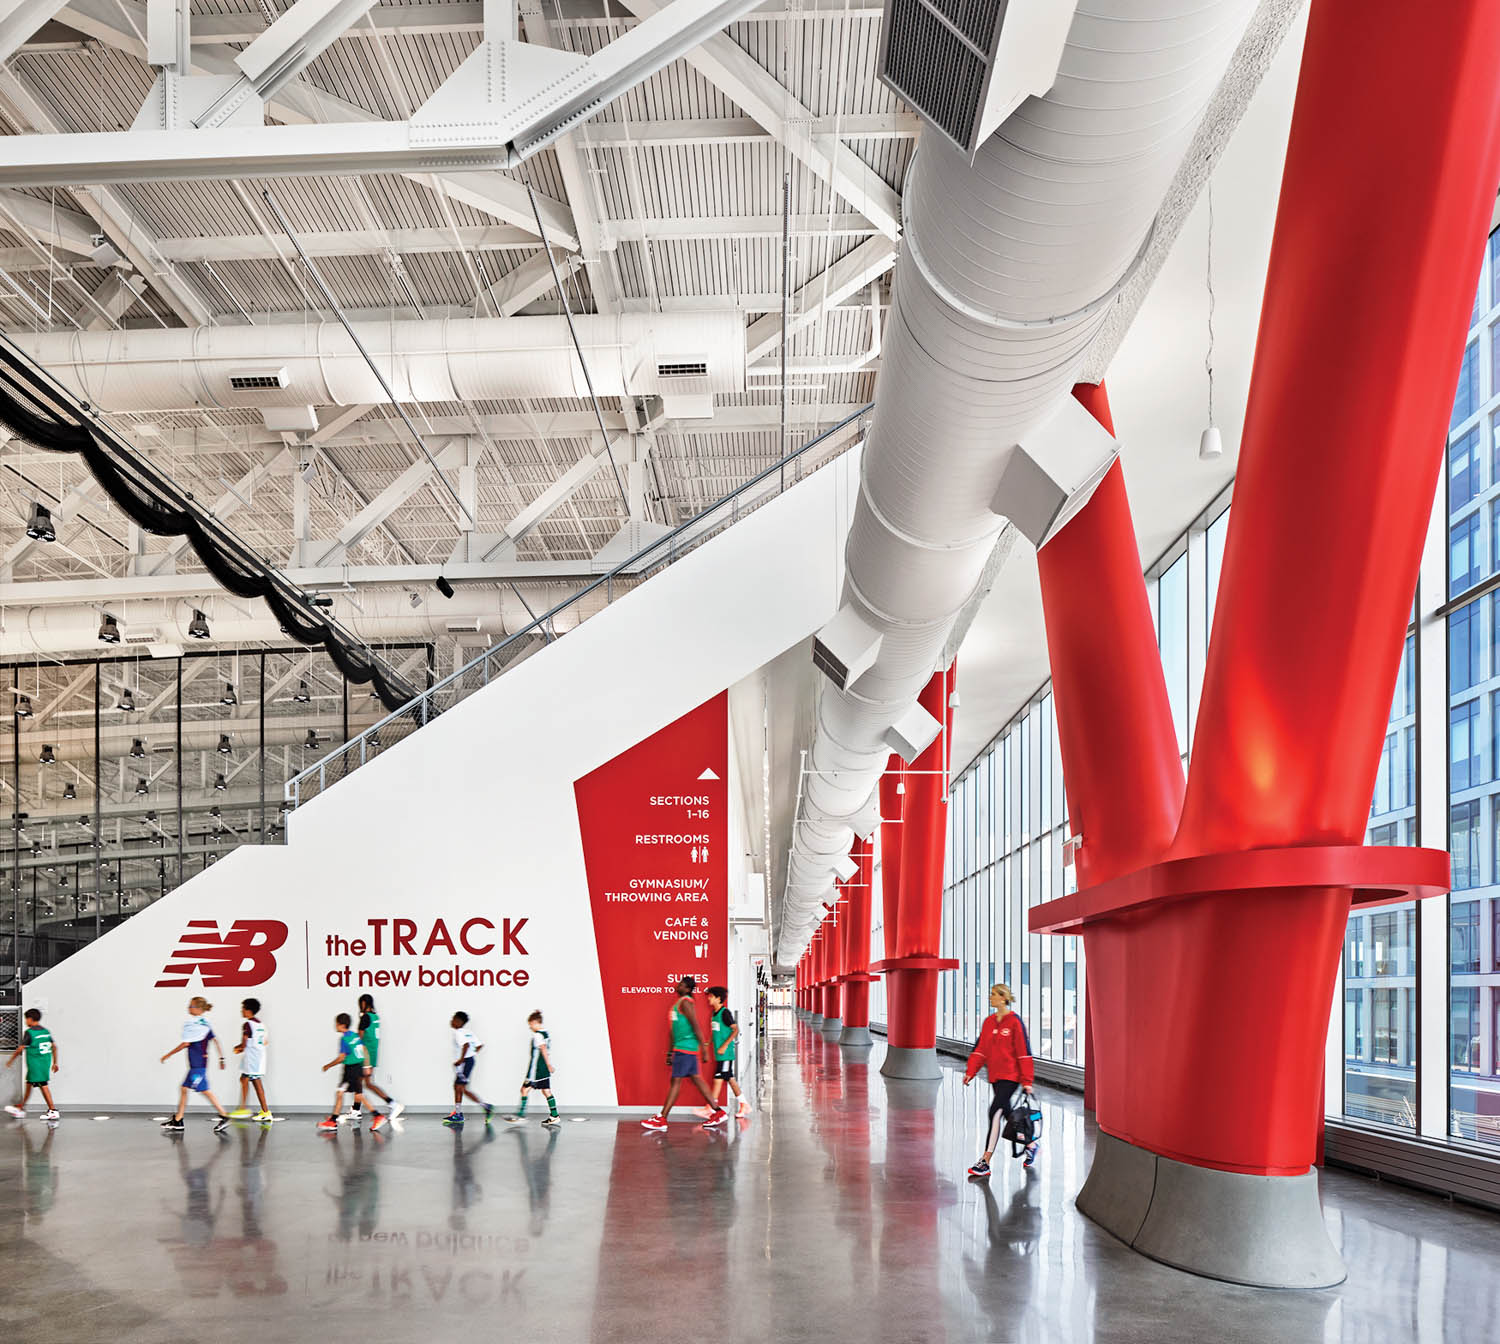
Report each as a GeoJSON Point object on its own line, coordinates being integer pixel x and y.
{"type": "Point", "coordinates": [908, 1062]}
{"type": "Point", "coordinates": [831, 1026]}
{"type": "Point", "coordinates": [856, 1036]}
{"type": "Point", "coordinates": [1264, 1231]}
{"type": "Point", "coordinates": [814, 1020]}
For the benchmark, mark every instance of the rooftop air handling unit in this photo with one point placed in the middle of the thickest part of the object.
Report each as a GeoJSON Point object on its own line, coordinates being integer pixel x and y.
{"type": "Point", "coordinates": [966, 65]}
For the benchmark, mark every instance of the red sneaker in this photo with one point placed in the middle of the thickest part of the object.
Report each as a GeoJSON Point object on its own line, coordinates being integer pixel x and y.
{"type": "Point", "coordinates": [718, 1117]}
{"type": "Point", "coordinates": [379, 1123]}
{"type": "Point", "coordinates": [328, 1125]}
{"type": "Point", "coordinates": [654, 1122]}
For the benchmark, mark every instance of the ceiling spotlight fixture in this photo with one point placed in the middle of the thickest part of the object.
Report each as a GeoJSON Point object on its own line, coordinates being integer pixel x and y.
{"type": "Point", "coordinates": [198, 626]}
{"type": "Point", "coordinates": [70, 790]}
{"type": "Point", "coordinates": [224, 747]}
{"type": "Point", "coordinates": [47, 757]}
{"type": "Point", "coordinates": [229, 697]}
{"type": "Point", "coordinates": [302, 695]}
{"type": "Point", "coordinates": [23, 707]}
{"type": "Point", "coordinates": [127, 701]}
{"type": "Point", "coordinates": [39, 526]}
{"type": "Point", "coordinates": [215, 811]}
{"type": "Point", "coordinates": [416, 599]}
{"type": "Point", "coordinates": [137, 748]}
{"type": "Point", "coordinates": [444, 587]}
{"type": "Point", "coordinates": [220, 784]}
{"type": "Point", "coordinates": [142, 788]}
{"type": "Point", "coordinates": [312, 738]}
{"type": "Point", "coordinates": [109, 629]}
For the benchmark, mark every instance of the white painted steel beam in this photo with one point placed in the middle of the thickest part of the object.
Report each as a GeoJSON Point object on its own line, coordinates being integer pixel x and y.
{"type": "Point", "coordinates": [737, 74]}
{"type": "Point", "coordinates": [19, 19]}
{"type": "Point", "coordinates": [532, 279]}
{"type": "Point", "coordinates": [850, 274]}
{"type": "Point", "coordinates": [111, 301]}
{"type": "Point", "coordinates": [50, 222]}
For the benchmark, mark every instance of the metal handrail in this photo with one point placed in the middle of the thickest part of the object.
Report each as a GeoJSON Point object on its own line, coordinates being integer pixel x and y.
{"type": "Point", "coordinates": [542, 624]}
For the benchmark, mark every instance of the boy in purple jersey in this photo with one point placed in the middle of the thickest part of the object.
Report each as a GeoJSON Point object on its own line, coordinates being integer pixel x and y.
{"type": "Point", "coordinates": [196, 1035]}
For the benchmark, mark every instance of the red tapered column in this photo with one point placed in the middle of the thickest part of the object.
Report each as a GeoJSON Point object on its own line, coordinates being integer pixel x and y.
{"type": "Point", "coordinates": [833, 954]}
{"type": "Point", "coordinates": [911, 965]}
{"type": "Point", "coordinates": [856, 951]}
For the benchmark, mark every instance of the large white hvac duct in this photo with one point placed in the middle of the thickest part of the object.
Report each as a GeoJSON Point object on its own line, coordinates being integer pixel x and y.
{"type": "Point", "coordinates": [468, 359]}
{"type": "Point", "coordinates": [383, 615]}
{"type": "Point", "coordinates": [1007, 271]}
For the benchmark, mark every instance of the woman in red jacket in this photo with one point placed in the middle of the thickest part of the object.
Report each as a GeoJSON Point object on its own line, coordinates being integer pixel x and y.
{"type": "Point", "coordinates": [1005, 1055]}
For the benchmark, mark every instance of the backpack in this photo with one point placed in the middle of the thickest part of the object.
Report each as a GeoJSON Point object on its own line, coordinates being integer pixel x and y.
{"type": "Point", "coordinates": [1023, 1126]}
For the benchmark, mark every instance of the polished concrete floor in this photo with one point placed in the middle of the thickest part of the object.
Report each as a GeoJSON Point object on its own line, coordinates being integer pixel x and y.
{"type": "Point", "coordinates": [840, 1211]}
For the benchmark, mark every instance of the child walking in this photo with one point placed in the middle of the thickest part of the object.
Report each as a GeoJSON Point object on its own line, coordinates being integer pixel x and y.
{"type": "Point", "coordinates": [356, 1067]}
{"type": "Point", "coordinates": [468, 1046]}
{"type": "Point", "coordinates": [369, 1033]}
{"type": "Point", "coordinates": [682, 1058]}
{"type": "Point", "coordinates": [252, 1053]}
{"type": "Point", "coordinates": [538, 1072]}
{"type": "Point", "coordinates": [196, 1035]}
{"type": "Point", "coordinates": [41, 1064]}
{"type": "Point", "coordinates": [726, 1032]}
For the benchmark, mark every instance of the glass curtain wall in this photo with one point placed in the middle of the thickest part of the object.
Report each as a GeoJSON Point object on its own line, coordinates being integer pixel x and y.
{"type": "Point", "coordinates": [130, 775]}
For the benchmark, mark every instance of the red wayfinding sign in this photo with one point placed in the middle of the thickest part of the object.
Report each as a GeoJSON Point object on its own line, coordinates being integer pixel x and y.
{"type": "Point", "coordinates": [655, 832]}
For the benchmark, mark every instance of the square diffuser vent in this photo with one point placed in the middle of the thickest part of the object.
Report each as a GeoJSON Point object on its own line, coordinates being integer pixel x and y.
{"type": "Point", "coordinates": [966, 65]}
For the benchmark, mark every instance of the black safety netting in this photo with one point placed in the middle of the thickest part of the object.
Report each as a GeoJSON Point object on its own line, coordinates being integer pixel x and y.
{"type": "Point", "coordinates": [37, 410]}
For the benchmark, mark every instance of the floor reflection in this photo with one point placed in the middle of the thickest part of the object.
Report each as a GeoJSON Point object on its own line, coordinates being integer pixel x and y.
{"type": "Point", "coordinates": [841, 1211]}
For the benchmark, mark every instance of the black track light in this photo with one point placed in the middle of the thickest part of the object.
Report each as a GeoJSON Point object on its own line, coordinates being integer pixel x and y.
{"type": "Point", "coordinates": [220, 784]}
{"type": "Point", "coordinates": [127, 701]}
{"type": "Point", "coordinates": [23, 707]}
{"type": "Point", "coordinates": [109, 629]}
{"type": "Point", "coordinates": [70, 790]}
{"type": "Point", "coordinates": [224, 745]}
{"type": "Point", "coordinates": [39, 526]}
{"type": "Point", "coordinates": [47, 757]}
{"type": "Point", "coordinates": [302, 694]}
{"type": "Point", "coordinates": [229, 697]}
{"type": "Point", "coordinates": [198, 626]}
{"type": "Point", "coordinates": [137, 748]}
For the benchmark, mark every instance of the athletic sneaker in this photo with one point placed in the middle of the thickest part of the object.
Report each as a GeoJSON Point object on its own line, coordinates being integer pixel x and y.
{"type": "Point", "coordinates": [328, 1125]}
{"type": "Point", "coordinates": [744, 1108]}
{"type": "Point", "coordinates": [241, 1113]}
{"type": "Point", "coordinates": [981, 1169]}
{"type": "Point", "coordinates": [1031, 1152]}
{"type": "Point", "coordinates": [221, 1124]}
{"type": "Point", "coordinates": [551, 1122]}
{"type": "Point", "coordinates": [453, 1118]}
{"type": "Point", "coordinates": [514, 1119]}
{"type": "Point", "coordinates": [654, 1122]}
{"type": "Point", "coordinates": [173, 1126]}
{"type": "Point", "coordinates": [396, 1108]}
{"type": "Point", "coordinates": [488, 1111]}
{"type": "Point", "coordinates": [718, 1117]}
{"type": "Point", "coordinates": [263, 1116]}
{"type": "Point", "coordinates": [53, 1115]}
{"type": "Point", "coordinates": [378, 1123]}
{"type": "Point", "coordinates": [15, 1111]}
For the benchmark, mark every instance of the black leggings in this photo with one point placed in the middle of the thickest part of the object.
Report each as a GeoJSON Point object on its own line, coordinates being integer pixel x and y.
{"type": "Point", "coordinates": [1000, 1109]}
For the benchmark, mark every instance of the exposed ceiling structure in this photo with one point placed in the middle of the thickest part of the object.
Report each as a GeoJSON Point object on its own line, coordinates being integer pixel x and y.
{"type": "Point", "coordinates": [160, 297]}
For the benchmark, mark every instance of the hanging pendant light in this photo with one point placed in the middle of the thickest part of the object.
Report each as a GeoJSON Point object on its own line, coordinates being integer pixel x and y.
{"type": "Point", "coordinates": [127, 701]}
{"type": "Point", "coordinates": [220, 784]}
{"type": "Point", "coordinates": [302, 695]}
{"type": "Point", "coordinates": [142, 788]}
{"type": "Point", "coordinates": [70, 790]}
{"type": "Point", "coordinates": [312, 739]}
{"type": "Point", "coordinates": [23, 707]}
{"type": "Point", "coordinates": [47, 756]}
{"type": "Point", "coordinates": [109, 629]}
{"type": "Point", "coordinates": [224, 745]}
{"type": "Point", "coordinates": [198, 626]}
{"type": "Point", "coordinates": [39, 526]}
{"type": "Point", "coordinates": [229, 697]}
{"type": "Point", "coordinates": [137, 748]}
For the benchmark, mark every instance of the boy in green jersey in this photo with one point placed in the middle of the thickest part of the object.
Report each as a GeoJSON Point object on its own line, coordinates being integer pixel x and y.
{"type": "Point", "coordinates": [682, 1058]}
{"type": "Point", "coordinates": [726, 1032]}
{"type": "Point", "coordinates": [355, 1064]}
{"type": "Point", "coordinates": [41, 1064]}
{"type": "Point", "coordinates": [369, 1035]}
{"type": "Point", "coordinates": [538, 1072]}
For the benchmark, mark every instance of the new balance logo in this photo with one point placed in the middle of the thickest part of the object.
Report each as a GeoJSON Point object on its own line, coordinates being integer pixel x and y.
{"type": "Point", "coordinates": [243, 957]}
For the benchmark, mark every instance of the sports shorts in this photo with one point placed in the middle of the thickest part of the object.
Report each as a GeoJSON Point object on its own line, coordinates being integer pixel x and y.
{"type": "Point", "coordinates": [724, 1068]}
{"type": "Point", "coordinates": [540, 1084]}
{"type": "Point", "coordinates": [464, 1069]}
{"type": "Point", "coordinates": [196, 1080]}
{"type": "Point", "coordinates": [251, 1077]}
{"type": "Point", "coordinates": [684, 1063]}
{"type": "Point", "coordinates": [354, 1078]}
{"type": "Point", "coordinates": [43, 1079]}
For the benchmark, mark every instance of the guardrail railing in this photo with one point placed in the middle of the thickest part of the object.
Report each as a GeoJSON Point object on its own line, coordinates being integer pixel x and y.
{"type": "Point", "coordinates": [543, 628]}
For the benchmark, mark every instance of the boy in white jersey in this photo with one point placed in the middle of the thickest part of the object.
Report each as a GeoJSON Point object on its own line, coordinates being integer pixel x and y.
{"type": "Point", "coordinates": [252, 1053]}
{"type": "Point", "coordinates": [468, 1046]}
